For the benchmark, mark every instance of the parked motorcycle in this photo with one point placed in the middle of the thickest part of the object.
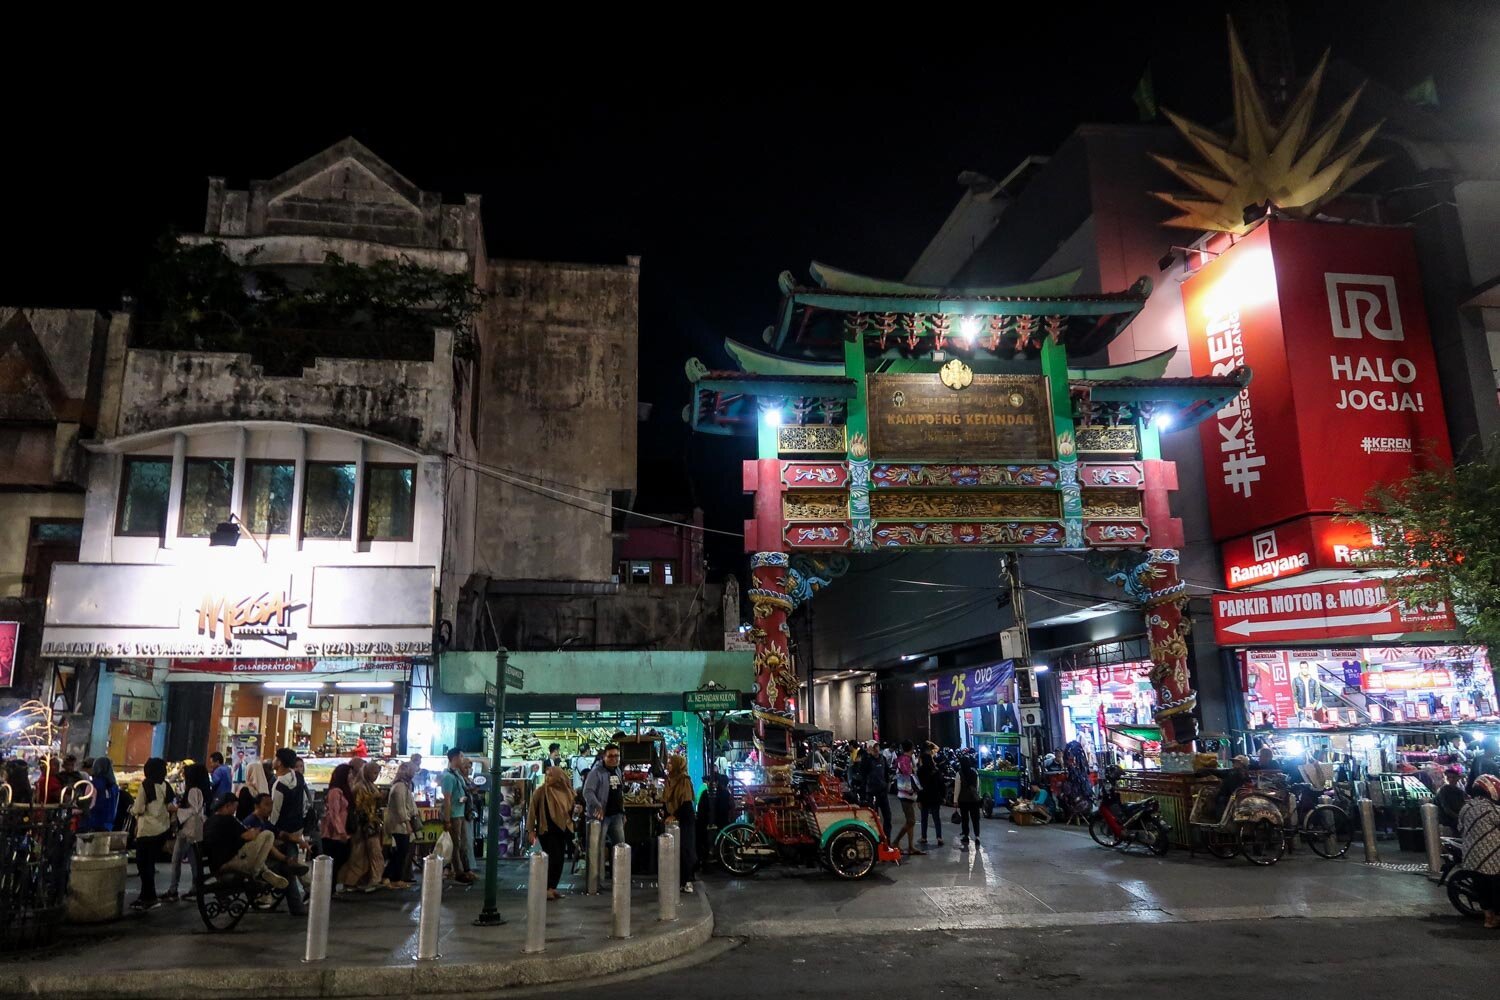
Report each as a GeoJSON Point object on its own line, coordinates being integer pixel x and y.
{"type": "Point", "coordinates": [1462, 882]}
{"type": "Point", "coordinates": [1117, 824]}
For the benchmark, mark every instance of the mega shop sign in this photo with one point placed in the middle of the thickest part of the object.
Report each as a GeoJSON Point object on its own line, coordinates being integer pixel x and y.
{"type": "Point", "coordinates": [1346, 609]}
{"type": "Point", "coordinates": [1344, 392]}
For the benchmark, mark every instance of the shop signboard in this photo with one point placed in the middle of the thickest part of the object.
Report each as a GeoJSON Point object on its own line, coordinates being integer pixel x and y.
{"type": "Point", "coordinates": [10, 639]}
{"type": "Point", "coordinates": [1330, 318]}
{"type": "Point", "coordinates": [587, 704]}
{"type": "Point", "coordinates": [129, 611]}
{"type": "Point", "coordinates": [1302, 545]}
{"type": "Point", "coordinates": [987, 685]}
{"type": "Point", "coordinates": [711, 701]}
{"type": "Point", "coordinates": [301, 699]}
{"type": "Point", "coordinates": [1343, 609]}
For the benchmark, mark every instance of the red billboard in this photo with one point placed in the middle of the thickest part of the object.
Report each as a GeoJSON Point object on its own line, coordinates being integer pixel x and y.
{"type": "Point", "coordinates": [1299, 546]}
{"type": "Point", "coordinates": [1346, 609]}
{"type": "Point", "coordinates": [1329, 317]}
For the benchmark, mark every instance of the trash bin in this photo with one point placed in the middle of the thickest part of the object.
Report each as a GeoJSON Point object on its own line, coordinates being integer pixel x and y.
{"type": "Point", "coordinates": [96, 886]}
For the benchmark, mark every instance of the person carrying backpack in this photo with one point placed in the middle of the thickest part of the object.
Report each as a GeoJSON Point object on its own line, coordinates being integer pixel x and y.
{"type": "Point", "coordinates": [153, 813]}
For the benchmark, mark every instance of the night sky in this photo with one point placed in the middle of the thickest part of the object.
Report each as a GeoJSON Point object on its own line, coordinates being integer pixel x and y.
{"type": "Point", "coordinates": [719, 167]}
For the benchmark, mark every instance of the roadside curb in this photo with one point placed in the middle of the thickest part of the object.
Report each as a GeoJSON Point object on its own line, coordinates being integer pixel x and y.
{"type": "Point", "coordinates": [691, 931]}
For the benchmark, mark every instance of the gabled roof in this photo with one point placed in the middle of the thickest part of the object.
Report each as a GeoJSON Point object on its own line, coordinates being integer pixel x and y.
{"type": "Point", "coordinates": [348, 148]}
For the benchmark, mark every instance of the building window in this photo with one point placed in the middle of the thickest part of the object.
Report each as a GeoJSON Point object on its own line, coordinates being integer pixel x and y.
{"type": "Point", "coordinates": [667, 576]}
{"type": "Point", "coordinates": [389, 490]}
{"type": "Point", "coordinates": [640, 571]}
{"type": "Point", "coordinates": [206, 487]}
{"type": "Point", "coordinates": [328, 500]}
{"type": "Point", "coordinates": [268, 497]}
{"type": "Point", "coordinates": [144, 485]}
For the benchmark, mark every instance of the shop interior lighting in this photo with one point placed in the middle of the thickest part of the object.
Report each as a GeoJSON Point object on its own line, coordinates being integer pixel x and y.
{"type": "Point", "coordinates": [1478, 734]}
{"type": "Point", "coordinates": [744, 777]}
{"type": "Point", "coordinates": [364, 685]}
{"type": "Point", "coordinates": [292, 685]}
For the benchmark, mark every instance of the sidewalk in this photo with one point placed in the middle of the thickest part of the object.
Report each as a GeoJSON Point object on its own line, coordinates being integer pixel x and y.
{"type": "Point", "coordinates": [167, 953]}
{"type": "Point", "coordinates": [1054, 876]}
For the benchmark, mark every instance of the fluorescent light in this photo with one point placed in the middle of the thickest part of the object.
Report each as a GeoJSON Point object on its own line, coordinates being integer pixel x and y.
{"type": "Point", "coordinates": [914, 656]}
{"type": "Point", "coordinates": [292, 685]}
{"type": "Point", "coordinates": [364, 685]}
{"type": "Point", "coordinates": [920, 684]}
{"type": "Point", "coordinates": [1041, 668]}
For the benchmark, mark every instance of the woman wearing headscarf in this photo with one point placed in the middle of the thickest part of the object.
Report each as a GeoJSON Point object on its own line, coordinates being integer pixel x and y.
{"type": "Point", "coordinates": [101, 814]}
{"type": "Point", "coordinates": [677, 800]}
{"type": "Point", "coordinates": [550, 820]}
{"type": "Point", "coordinates": [366, 859]}
{"type": "Point", "coordinates": [18, 780]}
{"type": "Point", "coordinates": [401, 823]}
{"type": "Point", "coordinates": [1479, 823]}
{"type": "Point", "coordinates": [192, 809]}
{"type": "Point", "coordinates": [334, 828]}
{"type": "Point", "coordinates": [257, 783]}
{"type": "Point", "coordinates": [153, 820]}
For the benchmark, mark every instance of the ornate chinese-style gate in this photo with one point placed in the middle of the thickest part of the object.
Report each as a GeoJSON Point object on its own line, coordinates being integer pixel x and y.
{"type": "Point", "coordinates": [933, 419]}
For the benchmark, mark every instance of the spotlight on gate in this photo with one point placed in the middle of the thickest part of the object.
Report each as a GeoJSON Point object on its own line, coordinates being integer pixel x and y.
{"type": "Point", "coordinates": [968, 329]}
{"type": "Point", "coordinates": [772, 418]}
{"type": "Point", "coordinates": [1162, 421]}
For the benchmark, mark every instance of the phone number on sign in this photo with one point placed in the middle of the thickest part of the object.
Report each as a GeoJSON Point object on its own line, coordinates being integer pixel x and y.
{"type": "Point", "coordinates": [367, 648]}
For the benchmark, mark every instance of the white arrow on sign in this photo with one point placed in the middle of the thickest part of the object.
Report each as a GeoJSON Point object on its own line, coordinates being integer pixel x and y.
{"type": "Point", "coordinates": [1248, 627]}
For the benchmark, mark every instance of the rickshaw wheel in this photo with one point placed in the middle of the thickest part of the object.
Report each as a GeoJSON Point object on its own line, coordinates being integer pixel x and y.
{"type": "Point", "coordinates": [1262, 842]}
{"type": "Point", "coordinates": [732, 841]}
{"type": "Point", "coordinates": [850, 853]}
{"type": "Point", "coordinates": [1221, 844]}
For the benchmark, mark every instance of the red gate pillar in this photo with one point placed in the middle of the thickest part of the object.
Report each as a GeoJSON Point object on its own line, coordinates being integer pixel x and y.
{"type": "Point", "coordinates": [1166, 597]}
{"type": "Point", "coordinates": [775, 681]}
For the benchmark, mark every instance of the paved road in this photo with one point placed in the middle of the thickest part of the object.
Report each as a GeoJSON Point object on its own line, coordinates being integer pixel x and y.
{"type": "Point", "coordinates": [1379, 959]}
{"type": "Point", "coordinates": [1057, 876]}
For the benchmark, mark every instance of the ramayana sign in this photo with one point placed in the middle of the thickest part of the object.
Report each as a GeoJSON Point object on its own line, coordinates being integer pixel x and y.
{"type": "Point", "coordinates": [1345, 392]}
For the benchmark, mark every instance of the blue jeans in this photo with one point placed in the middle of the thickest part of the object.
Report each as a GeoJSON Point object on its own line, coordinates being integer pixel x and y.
{"type": "Point", "coordinates": [613, 829]}
{"type": "Point", "coordinates": [936, 812]}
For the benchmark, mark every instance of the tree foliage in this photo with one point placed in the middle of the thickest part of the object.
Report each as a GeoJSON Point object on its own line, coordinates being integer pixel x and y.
{"type": "Point", "coordinates": [195, 291]}
{"type": "Point", "coordinates": [1441, 527]}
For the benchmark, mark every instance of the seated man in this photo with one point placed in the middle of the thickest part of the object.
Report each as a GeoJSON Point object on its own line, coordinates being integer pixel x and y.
{"type": "Point", "coordinates": [234, 850]}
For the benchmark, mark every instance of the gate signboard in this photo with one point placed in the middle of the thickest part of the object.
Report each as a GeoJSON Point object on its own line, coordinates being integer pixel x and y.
{"type": "Point", "coordinates": [957, 415]}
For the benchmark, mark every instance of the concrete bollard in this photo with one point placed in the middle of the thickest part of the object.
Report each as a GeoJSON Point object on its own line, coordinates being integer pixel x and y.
{"type": "Point", "coordinates": [1367, 828]}
{"type": "Point", "coordinates": [536, 904]}
{"type": "Point", "coordinates": [619, 926]}
{"type": "Point", "coordinates": [318, 900]}
{"type": "Point", "coordinates": [432, 909]}
{"type": "Point", "coordinates": [596, 855]}
{"type": "Point", "coordinates": [667, 877]}
{"type": "Point", "coordinates": [1434, 839]}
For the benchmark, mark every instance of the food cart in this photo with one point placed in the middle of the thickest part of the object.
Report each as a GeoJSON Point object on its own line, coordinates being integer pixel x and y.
{"type": "Point", "coordinates": [999, 769]}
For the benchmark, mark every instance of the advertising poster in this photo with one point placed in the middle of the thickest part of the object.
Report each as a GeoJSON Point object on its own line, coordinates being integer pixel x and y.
{"type": "Point", "coordinates": [989, 685]}
{"type": "Point", "coordinates": [1329, 688]}
{"type": "Point", "coordinates": [1331, 321]}
{"type": "Point", "coordinates": [244, 754]}
{"type": "Point", "coordinates": [10, 639]}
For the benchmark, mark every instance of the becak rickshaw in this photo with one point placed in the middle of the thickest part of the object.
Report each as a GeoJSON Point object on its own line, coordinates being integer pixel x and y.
{"type": "Point", "coordinates": [808, 823]}
{"type": "Point", "coordinates": [1254, 821]}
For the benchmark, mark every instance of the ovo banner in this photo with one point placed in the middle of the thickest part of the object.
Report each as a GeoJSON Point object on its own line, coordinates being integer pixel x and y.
{"type": "Point", "coordinates": [1329, 317]}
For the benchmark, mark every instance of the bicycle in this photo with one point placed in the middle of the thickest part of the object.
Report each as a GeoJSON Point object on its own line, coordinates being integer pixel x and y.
{"type": "Point", "coordinates": [1326, 827]}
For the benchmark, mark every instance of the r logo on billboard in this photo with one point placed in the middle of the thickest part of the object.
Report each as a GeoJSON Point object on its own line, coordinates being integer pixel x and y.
{"type": "Point", "coordinates": [1363, 303]}
{"type": "Point", "coordinates": [1264, 545]}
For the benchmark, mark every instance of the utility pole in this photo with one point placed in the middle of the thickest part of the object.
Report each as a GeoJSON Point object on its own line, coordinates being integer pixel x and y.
{"type": "Point", "coordinates": [1025, 679]}
{"type": "Point", "coordinates": [490, 915]}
